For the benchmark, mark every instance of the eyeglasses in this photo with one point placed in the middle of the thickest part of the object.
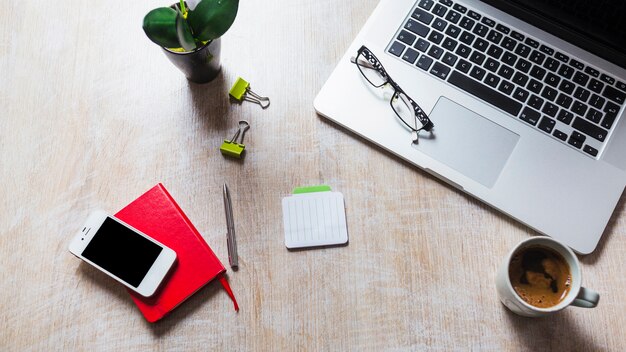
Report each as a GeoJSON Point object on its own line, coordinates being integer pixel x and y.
{"type": "Point", "coordinates": [405, 108]}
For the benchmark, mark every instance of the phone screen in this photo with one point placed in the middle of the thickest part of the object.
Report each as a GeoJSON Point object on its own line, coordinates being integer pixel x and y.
{"type": "Point", "coordinates": [122, 252]}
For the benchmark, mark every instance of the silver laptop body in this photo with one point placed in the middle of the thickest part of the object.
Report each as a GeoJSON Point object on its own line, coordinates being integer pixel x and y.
{"type": "Point", "coordinates": [553, 186]}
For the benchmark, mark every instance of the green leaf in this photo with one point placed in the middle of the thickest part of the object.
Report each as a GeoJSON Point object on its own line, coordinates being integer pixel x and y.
{"type": "Point", "coordinates": [183, 33]}
{"type": "Point", "coordinates": [160, 26]}
{"type": "Point", "coordinates": [212, 18]}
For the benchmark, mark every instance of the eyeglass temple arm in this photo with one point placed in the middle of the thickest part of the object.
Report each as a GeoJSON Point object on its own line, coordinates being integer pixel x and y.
{"type": "Point", "coordinates": [362, 63]}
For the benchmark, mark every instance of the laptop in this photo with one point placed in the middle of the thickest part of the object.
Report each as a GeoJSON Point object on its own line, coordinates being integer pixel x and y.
{"type": "Point", "coordinates": [526, 98]}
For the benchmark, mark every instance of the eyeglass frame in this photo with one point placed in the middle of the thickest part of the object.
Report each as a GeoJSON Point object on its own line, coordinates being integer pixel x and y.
{"type": "Point", "coordinates": [419, 114]}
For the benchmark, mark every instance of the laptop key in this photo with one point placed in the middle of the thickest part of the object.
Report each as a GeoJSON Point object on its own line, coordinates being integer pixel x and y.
{"type": "Point", "coordinates": [535, 86]}
{"type": "Point", "coordinates": [607, 79]}
{"type": "Point", "coordinates": [590, 129]}
{"type": "Point", "coordinates": [446, 2]}
{"type": "Point", "coordinates": [440, 70]}
{"type": "Point", "coordinates": [488, 21]}
{"type": "Point", "coordinates": [522, 50]}
{"type": "Point", "coordinates": [410, 56]}
{"type": "Point", "coordinates": [424, 62]}
{"type": "Point", "coordinates": [531, 42]}
{"type": "Point", "coordinates": [492, 80]}
{"type": "Point", "coordinates": [537, 72]}
{"type": "Point", "coordinates": [579, 108]}
{"type": "Point", "coordinates": [406, 37]}
{"type": "Point", "coordinates": [467, 38]}
{"type": "Point", "coordinates": [594, 115]}
{"type": "Point", "coordinates": [581, 78]}
{"type": "Point", "coordinates": [537, 57]}
{"type": "Point", "coordinates": [592, 71]}
{"type": "Point", "coordinates": [551, 64]}
{"type": "Point", "coordinates": [565, 116]}
{"type": "Point", "coordinates": [518, 36]}
{"type": "Point", "coordinates": [552, 79]}
{"type": "Point", "coordinates": [492, 65]}
{"type": "Point", "coordinates": [477, 58]}
{"type": "Point", "coordinates": [564, 101]}
{"type": "Point", "coordinates": [509, 58]}
{"type": "Point", "coordinates": [582, 94]}
{"type": "Point", "coordinates": [463, 66]}
{"type": "Point", "coordinates": [577, 64]}
{"type": "Point", "coordinates": [520, 79]}
{"type": "Point", "coordinates": [506, 87]}
{"type": "Point", "coordinates": [595, 85]}
{"type": "Point", "coordinates": [440, 10]}
{"type": "Point", "coordinates": [530, 116]}
{"type": "Point", "coordinates": [453, 31]}
{"type": "Point", "coordinates": [590, 150]}
{"type": "Point", "coordinates": [495, 51]}
{"type": "Point", "coordinates": [397, 48]}
{"type": "Point", "coordinates": [566, 71]}
{"type": "Point", "coordinates": [421, 45]}
{"type": "Point", "coordinates": [597, 101]}
{"type": "Point", "coordinates": [566, 86]}
{"type": "Point", "coordinates": [449, 59]}
{"type": "Point", "coordinates": [480, 29]}
{"type": "Point", "coordinates": [416, 28]}
{"type": "Point", "coordinates": [463, 51]}
{"type": "Point", "coordinates": [546, 50]}
{"type": "Point", "coordinates": [521, 94]}
{"type": "Point", "coordinates": [614, 95]}
{"type": "Point", "coordinates": [485, 93]}
{"type": "Point", "coordinates": [562, 57]}
{"type": "Point", "coordinates": [449, 44]}
{"type": "Point", "coordinates": [502, 28]}
{"type": "Point", "coordinates": [523, 65]}
{"type": "Point", "coordinates": [621, 85]}
{"type": "Point", "coordinates": [506, 71]}
{"type": "Point", "coordinates": [474, 15]}
{"type": "Point", "coordinates": [547, 124]}
{"type": "Point", "coordinates": [550, 109]}
{"type": "Point", "coordinates": [494, 36]}
{"type": "Point", "coordinates": [478, 73]}
{"type": "Point", "coordinates": [435, 52]}
{"type": "Point", "coordinates": [560, 135]}
{"type": "Point", "coordinates": [460, 8]}
{"type": "Point", "coordinates": [422, 16]}
{"type": "Point", "coordinates": [535, 102]}
{"type": "Point", "coordinates": [426, 4]}
{"type": "Point", "coordinates": [453, 17]}
{"type": "Point", "coordinates": [509, 43]}
{"type": "Point", "coordinates": [576, 139]}
{"type": "Point", "coordinates": [467, 23]}
{"type": "Point", "coordinates": [610, 114]}
{"type": "Point", "coordinates": [439, 24]}
{"type": "Point", "coordinates": [435, 37]}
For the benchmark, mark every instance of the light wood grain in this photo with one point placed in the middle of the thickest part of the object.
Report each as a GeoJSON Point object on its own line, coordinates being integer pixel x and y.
{"type": "Point", "coordinates": [93, 114]}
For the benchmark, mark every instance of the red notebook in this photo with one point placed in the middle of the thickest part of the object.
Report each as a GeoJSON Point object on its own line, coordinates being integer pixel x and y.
{"type": "Point", "coordinates": [156, 214]}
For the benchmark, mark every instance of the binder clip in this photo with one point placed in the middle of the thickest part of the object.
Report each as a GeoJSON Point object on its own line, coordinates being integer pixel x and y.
{"type": "Point", "coordinates": [241, 91]}
{"type": "Point", "coordinates": [233, 148]}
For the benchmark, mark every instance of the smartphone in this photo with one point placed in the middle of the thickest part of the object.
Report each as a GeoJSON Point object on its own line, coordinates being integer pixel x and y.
{"type": "Point", "coordinates": [123, 252]}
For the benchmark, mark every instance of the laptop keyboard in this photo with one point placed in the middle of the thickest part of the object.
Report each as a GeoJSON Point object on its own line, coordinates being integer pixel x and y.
{"type": "Point", "coordinates": [573, 102]}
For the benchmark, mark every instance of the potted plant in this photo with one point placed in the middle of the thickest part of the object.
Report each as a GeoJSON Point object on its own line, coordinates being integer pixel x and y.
{"type": "Point", "coordinates": [189, 33]}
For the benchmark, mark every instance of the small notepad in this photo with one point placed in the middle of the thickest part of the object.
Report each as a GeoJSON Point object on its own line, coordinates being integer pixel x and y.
{"type": "Point", "coordinates": [314, 219]}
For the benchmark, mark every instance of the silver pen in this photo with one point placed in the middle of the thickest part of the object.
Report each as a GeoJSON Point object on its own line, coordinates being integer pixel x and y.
{"type": "Point", "coordinates": [231, 242]}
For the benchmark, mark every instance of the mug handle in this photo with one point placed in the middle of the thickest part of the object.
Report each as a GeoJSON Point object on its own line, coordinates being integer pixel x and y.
{"type": "Point", "coordinates": [586, 298]}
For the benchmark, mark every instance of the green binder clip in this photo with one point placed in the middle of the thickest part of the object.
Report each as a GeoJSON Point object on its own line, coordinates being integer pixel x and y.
{"type": "Point", "coordinates": [232, 147]}
{"type": "Point", "coordinates": [241, 91]}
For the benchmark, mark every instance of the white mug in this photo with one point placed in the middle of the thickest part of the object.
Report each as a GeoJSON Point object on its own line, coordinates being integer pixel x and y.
{"type": "Point", "coordinates": [577, 296]}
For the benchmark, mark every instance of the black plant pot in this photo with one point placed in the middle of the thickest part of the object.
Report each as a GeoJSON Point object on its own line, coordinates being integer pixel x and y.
{"type": "Point", "coordinates": [201, 65]}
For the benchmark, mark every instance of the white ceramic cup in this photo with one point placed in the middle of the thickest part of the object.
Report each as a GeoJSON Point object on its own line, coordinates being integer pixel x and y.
{"type": "Point", "coordinates": [577, 296]}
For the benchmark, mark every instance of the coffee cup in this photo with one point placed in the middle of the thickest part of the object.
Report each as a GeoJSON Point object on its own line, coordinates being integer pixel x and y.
{"type": "Point", "coordinates": [541, 276]}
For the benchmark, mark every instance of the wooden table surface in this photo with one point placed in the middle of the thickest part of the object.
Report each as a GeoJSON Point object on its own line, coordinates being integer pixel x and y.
{"type": "Point", "coordinates": [93, 115]}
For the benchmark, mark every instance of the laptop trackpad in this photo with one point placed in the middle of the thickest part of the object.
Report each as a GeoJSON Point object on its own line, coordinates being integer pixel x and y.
{"type": "Point", "coordinates": [467, 142]}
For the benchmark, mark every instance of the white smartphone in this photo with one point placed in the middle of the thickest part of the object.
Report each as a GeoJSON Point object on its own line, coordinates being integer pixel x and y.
{"type": "Point", "coordinates": [123, 252]}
